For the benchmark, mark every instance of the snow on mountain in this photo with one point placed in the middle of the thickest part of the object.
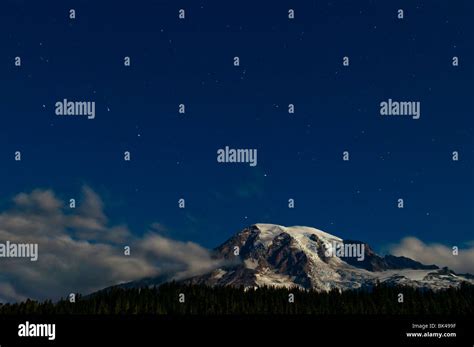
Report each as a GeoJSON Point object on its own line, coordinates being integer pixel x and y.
{"type": "Point", "coordinates": [274, 255]}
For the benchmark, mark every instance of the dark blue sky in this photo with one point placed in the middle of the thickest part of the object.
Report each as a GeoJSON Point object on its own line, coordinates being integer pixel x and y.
{"type": "Point", "coordinates": [282, 61]}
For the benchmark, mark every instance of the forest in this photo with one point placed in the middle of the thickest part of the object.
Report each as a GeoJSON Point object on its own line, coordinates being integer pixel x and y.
{"type": "Point", "coordinates": [179, 299]}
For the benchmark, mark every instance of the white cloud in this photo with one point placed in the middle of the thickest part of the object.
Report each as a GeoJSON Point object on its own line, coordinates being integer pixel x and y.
{"type": "Point", "coordinates": [80, 252]}
{"type": "Point", "coordinates": [183, 258]}
{"type": "Point", "coordinates": [437, 254]}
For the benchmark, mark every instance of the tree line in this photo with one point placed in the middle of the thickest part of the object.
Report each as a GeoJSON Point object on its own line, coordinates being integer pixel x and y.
{"type": "Point", "coordinates": [179, 299]}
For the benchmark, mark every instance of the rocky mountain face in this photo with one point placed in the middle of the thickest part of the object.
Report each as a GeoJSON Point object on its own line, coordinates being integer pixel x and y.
{"type": "Point", "coordinates": [273, 255]}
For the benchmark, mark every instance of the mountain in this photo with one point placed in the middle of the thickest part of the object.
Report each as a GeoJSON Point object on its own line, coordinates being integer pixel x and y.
{"type": "Point", "coordinates": [274, 255]}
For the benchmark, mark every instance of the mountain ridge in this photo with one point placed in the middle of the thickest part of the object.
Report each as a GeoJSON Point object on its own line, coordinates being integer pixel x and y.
{"type": "Point", "coordinates": [305, 257]}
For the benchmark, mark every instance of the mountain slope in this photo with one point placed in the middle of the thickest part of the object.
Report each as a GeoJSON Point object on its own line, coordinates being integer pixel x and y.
{"type": "Point", "coordinates": [274, 255]}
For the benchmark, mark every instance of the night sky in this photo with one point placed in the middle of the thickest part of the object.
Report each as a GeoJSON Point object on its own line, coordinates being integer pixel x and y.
{"type": "Point", "coordinates": [282, 61]}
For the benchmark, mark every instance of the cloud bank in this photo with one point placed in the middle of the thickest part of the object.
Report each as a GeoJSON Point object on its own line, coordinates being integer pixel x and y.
{"type": "Point", "coordinates": [436, 253]}
{"type": "Point", "coordinates": [79, 252]}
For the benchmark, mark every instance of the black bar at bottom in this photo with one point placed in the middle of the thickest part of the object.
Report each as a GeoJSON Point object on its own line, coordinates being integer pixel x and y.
{"type": "Point", "coordinates": [243, 330]}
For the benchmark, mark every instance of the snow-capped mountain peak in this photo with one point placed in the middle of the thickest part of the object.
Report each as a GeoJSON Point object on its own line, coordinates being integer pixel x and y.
{"type": "Point", "coordinates": [305, 257]}
{"type": "Point", "coordinates": [275, 255]}
{"type": "Point", "coordinates": [269, 231]}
